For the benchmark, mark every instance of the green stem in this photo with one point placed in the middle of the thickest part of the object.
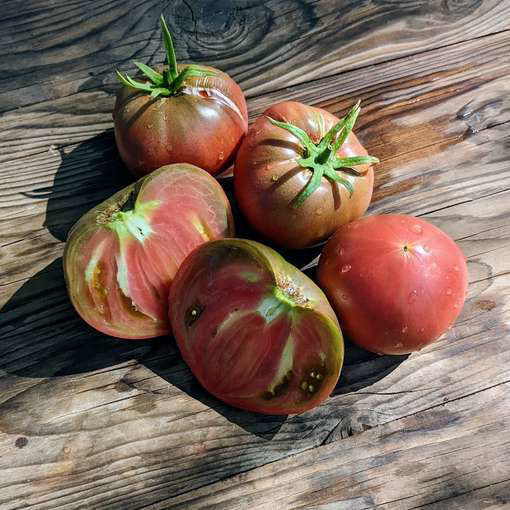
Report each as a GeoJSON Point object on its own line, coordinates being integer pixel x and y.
{"type": "Point", "coordinates": [310, 187]}
{"type": "Point", "coordinates": [321, 158]}
{"type": "Point", "coordinates": [324, 156]}
{"type": "Point", "coordinates": [171, 81]}
{"type": "Point", "coordinates": [169, 48]}
{"type": "Point", "coordinates": [349, 122]}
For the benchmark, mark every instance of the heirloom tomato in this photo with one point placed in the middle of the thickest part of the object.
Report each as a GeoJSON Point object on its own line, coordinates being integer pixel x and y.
{"type": "Point", "coordinates": [255, 331]}
{"type": "Point", "coordinates": [396, 282]}
{"type": "Point", "coordinates": [120, 257]}
{"type": "Point", "coordinates": [183, 114]}
{"type": "Point", "coordinates": [300, 173]}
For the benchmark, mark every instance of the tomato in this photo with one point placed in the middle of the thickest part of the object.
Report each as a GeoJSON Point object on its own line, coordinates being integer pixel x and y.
{"type": "Point", "coordinates": [120, 257]}
{"type": "Point", "coordinates": [186, 114]}
{"type": "Point", "coordinates": [396, 282]}
{"type": "Point", "coordinates": [255, 331]}
{"type": "Point", "coordinates": [300, 173]}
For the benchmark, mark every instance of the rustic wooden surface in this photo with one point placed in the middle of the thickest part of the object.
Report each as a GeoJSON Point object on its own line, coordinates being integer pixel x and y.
{"type": "Point", "coordinates": [87, 421]}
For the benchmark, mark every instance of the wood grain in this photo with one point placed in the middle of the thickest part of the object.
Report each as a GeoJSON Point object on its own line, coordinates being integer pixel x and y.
{"type": "Point", "coordinates": [456, 455]}
{"type": "Point", "coordinates": [55, 50]}
{"type": "Point", "coordinates": [87, 421]}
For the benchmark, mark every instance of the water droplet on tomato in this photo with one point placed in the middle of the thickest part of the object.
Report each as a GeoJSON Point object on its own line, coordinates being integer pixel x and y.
{"type": "Point", "coordinates": [346, 268]}
{"type": "Point", "coordinates": [426, 248]}
{"type": "Point", "coordinates": [412, 297]}
{"type": "Point", "coordinates": [448, 292]}
{"type": "Point", "coordinates": [417, 229]}
{"type": "Point", "coordinates": [422, 330]}
{"type": "Point", "coordinates": [455, 268]}
{"type": "Point", "coordinates": [340, 251]}
{"type": "Point", "coordinates": [455, 305]}
{"type": "Point", "coordinates": [399, 345]}
{"type": "Point", "coordinates": [404, 329]}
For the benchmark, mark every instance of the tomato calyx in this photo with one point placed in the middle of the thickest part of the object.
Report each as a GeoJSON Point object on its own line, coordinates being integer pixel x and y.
{"type": "Point", "coordinates": [168, 83]}
{"type": "Point", "coordinates": [128, 218]}
{"type": "Point", "coordinates": [321, 158]}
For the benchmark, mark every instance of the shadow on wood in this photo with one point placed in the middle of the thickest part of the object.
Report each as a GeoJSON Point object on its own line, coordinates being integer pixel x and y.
{"type": "Point", "coordinates": [88, 174]}
{"type": "Point", "coordinates": [59, 343]}
{"type": "Point", "coordinates": [52, 340]}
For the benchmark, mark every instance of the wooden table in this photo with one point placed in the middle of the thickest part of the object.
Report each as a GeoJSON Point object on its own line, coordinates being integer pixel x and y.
{"type": "Point", "coordinates": [87, 421]}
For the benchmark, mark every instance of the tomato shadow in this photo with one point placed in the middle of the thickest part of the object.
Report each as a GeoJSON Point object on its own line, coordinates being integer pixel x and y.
{"type": "Point", "coordinates": [88, 174]}
{"type": "Point", "coordinates": [42, 335]}
{"type": "Point", "coordinates": [172, 368]}
{"type": "Point", "coordinates": [363, 368]}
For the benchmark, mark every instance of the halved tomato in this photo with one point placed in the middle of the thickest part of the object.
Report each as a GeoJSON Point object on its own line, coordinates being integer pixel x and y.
{"type": "Point", "coordinates": [120, 257]}
{"type": "Point", "coordinates": [256, 332]}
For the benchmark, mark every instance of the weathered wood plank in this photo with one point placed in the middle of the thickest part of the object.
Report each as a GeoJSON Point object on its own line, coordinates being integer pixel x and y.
{"type": "Point", "coordinates": [41, 128]}
{"type": "Point", "coordinates": [435, 459]}
{"type": "Point", "coordinates": [54, 50]}
{"type": "Point", "coordinates": [422, 125]}
{"type": "Point", "coordinates": [91, 422]}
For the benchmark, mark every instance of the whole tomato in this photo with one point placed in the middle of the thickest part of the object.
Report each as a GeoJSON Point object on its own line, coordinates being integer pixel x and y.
{"type": "Point", "coordinates": [300, 173]}
{"type": "Point", "coordinates": [396, 282]}
{"type": "Point", "coordinates": [185, 114]}
{"type": "Point", "coordinates": [255, 331]}
{"type": "Point", "coordinates": [120, 257]}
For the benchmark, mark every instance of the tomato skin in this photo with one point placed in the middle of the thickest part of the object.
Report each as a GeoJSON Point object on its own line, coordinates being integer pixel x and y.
{"type": "Point", "coordinates": [396, 282]}
{"type": "Point", "coordinates": [120, 257]}
{"type": "Point", "coordinates": [202, 126]}
{"type": "Point", "coordinates": [267, 178]}
{"type": "Point", "coordinates": [255, 331]}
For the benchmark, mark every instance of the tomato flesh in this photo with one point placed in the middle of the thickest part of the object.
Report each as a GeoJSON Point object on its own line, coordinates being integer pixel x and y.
{"type": "Point", "coordinates": [253, 335]}
{"type": "Point", "coordinates": [119, 261]}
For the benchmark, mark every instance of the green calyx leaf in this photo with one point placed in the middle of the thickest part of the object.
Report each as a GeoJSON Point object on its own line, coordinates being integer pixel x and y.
{"type": "Point", "coordinates": [168, 83]}
{"type": "Point", "coordinates": [154, 76]}
{"type": "Point", "coordinates": [169, 48]}
{"type": "Point", "coordinates": [322, 159]}
{"type": "Point", "coordinates": [296, 131]}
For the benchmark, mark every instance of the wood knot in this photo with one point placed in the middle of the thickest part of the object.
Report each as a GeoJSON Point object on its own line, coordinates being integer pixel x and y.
{"type": "Point", "coordinates": [21, 442]}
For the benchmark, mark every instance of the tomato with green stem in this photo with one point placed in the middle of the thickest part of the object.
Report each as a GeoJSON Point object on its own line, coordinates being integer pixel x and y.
{"type": "Point", "coordinates": [180, 114]}
{"type": "Point", "coordinates": [255, 331]}
{"type": "Point", "coordinates": [301, 172]}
